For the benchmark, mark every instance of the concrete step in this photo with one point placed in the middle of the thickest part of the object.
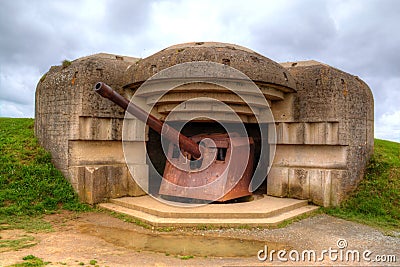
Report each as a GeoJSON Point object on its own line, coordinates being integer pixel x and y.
{"type": "Point", "coordinates": [261, 208]}
{"type": "Point", "coordinates": [191, 217]}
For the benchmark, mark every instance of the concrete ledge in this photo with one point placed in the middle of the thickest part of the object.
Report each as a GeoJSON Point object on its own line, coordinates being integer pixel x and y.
{"type": "Point", "coordinates": [82, 153]}
{"type": "Point", "coordinates": [311, 156]}
{"type": "Point", "coordinates": [268, 211]}
{"type": "Point", "coordinates": [309, 133]}
{"type": "Point", "coordinates": [261, 208]}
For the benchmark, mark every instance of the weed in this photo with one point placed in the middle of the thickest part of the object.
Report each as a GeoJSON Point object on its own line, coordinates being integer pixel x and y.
{"type": "Point", "coordinates": [142, 224]}
{"type": "Point", "coordinates": [245, 227]}
{"type": "Point", "coordinates": [204, 227]}
{"type": "Point", "coordinates": [29, 257]}
{"type": "Point", "coordinates": [92, 262]}
{"type": "Point", "coordinates": [43, 77]}
{"type": "Point", "coordinates": [129, 219]}
{"type": "Point", "coordinates": [122, 217]}
{"type": "Point", "coordinates": [17, 244]}
{"type": "Point", "coordinates": [30, 261]}
{"type": "Point", "coordinates": [66, 63]}
{"type": "Point", "coordinates": [29, 224]}
{"type": "Point", "coordinates": [165, 229]}
{"type": "Point", "coordinates": [186, 257]}
{"type": "Point", "coordinates": [298, 218]}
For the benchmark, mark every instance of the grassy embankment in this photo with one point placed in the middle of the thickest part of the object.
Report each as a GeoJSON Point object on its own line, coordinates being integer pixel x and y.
{"type": "Point", "coordinates": [31, 186]}
{"type": "Point", "coordinates": [376, 201]}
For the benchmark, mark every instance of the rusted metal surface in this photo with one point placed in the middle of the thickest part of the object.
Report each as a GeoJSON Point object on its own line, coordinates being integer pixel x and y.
{"type": "Point", "coordinates": [220, 169]}
{"type": "Point", "coordinates": [223, 179]}
{"type": "Point", "coordinates": [168, 132]}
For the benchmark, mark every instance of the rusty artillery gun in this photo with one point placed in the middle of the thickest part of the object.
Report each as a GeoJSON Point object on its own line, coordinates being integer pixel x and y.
{"type": "Point", "coordinates": [212, 167]}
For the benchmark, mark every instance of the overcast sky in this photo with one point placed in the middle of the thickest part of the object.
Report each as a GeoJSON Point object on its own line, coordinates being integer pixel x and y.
{"type": "Point", "coordinates": [359, 37]}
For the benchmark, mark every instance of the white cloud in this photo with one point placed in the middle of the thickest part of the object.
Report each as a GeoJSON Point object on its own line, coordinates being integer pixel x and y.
{"type": "Point", "coordinates": [388, 126]}
{"type": "Point", "coordinates": [356, 36]}
{"type": "Point", "coordinates": [13, 110]}
{"type": "Point", "coordinates": [16, 83]}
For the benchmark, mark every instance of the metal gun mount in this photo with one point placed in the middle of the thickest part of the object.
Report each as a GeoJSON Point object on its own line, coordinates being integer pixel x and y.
{"type": "Point", "coordinates": [219, 160]}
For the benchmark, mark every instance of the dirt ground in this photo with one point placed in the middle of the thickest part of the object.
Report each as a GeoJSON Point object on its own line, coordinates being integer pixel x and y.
{"type": "Point", "coordinates": [78, 239]}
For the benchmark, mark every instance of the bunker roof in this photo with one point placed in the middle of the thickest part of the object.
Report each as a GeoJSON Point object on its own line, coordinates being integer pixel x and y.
{"type": "Point", "coordinates": [258, 68]}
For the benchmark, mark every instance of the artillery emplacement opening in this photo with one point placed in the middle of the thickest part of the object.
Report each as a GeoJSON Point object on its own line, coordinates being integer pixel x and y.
{"type": "Point", "coordinates": [221, 171]}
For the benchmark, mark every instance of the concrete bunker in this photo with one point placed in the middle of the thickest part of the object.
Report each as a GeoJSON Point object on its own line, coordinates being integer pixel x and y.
{"type": "Point", "coordinates": [323, 119]}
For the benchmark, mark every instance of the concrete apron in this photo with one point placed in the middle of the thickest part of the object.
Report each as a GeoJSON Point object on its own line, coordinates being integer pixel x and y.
{"type": "Point", "coordinates": [262, 212]}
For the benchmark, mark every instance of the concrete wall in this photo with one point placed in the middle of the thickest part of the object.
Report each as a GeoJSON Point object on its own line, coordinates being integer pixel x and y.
{"type": "Point", "coordinates": [324, 135]}
{"type": "Point", "coordinates": [83, 131]}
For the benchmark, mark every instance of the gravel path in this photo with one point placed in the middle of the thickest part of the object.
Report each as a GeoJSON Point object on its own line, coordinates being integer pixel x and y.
{"type": "Point", "coordinates": [111, 242]}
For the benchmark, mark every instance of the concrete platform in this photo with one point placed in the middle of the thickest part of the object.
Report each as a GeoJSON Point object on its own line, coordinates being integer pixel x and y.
{"type": "Point", "coordinates": [266, 211]}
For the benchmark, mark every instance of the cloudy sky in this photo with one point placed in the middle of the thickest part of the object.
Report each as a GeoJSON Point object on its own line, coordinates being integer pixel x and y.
{"type": "Point", "coordinates": [359, 37]}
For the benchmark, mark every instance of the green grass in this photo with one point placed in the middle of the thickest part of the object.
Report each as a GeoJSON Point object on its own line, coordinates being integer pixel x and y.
{"type": "Point", "coordinates": [66, 63]}
{"type": "Point", "coordinates": [17, 244]}
{"type": "Point", "coordinates": [376, 201]}
{"type": "Point", "coordinates": [186, 257]}
{"type": "Point", "coordinates": [30, 185]}
{"type": "Point", "coordinates": [28, 223]}
{"type": "Point", "coordinates": [298, 218]}
{"type": "Point", "coordinates": [30, 261]}
{"type": "Point", "coordinates": [128, 219]}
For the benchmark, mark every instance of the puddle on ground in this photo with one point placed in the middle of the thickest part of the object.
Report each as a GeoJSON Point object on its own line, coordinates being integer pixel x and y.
{"type": "Point", "coordinates": [179, 244]}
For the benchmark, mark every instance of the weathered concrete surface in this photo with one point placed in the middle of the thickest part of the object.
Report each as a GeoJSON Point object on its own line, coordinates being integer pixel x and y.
{"type": "Point", "coordinates": [334, 115]}
{"type": "Point", "coordinates": [255, 66]}
{"type": "Point", "coordinates": [265, 211]}
{"type": "Point", "coordinates": [323, 118]}
{"type": "Point", "coordinates": [81, 130]}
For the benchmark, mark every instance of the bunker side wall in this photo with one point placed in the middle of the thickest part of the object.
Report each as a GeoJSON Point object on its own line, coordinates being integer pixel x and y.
{"type": "Point", "coordinates": [83, 131]}
{"type": "Point", "coordinates": [324, 136]}
{"type": "Point", "coordinates": [57, 110]}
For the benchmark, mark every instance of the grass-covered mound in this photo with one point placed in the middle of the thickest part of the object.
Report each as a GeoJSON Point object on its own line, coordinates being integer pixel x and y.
{"type": "Point", "coordinates": [29, 183]}
{"type": "Point", "coordinates": [377, 199]}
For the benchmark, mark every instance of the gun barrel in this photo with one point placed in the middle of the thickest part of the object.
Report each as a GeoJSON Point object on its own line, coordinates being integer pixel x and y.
{"type": "Point", "coordinates": [187, 144]}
